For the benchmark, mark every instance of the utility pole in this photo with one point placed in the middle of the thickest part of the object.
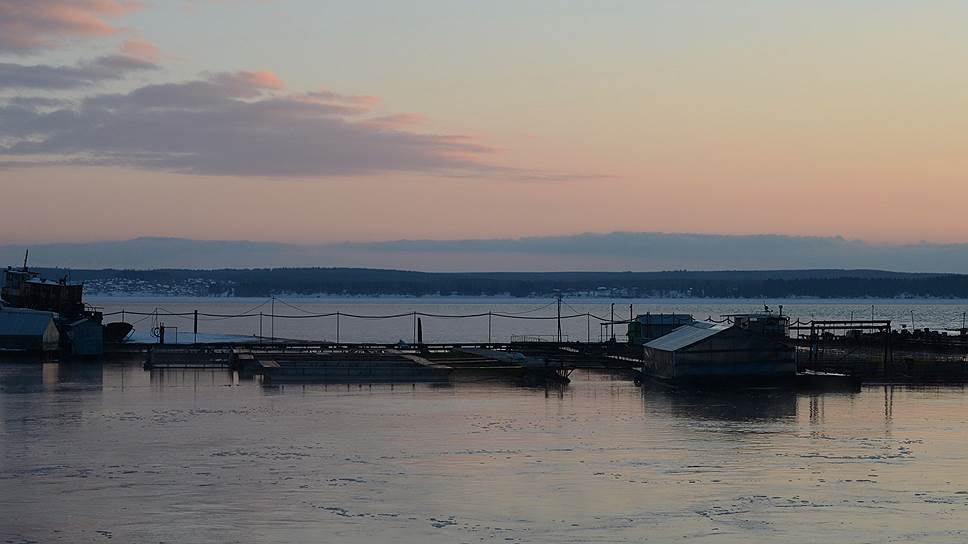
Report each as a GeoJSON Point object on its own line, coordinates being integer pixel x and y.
{"type": "Point", "coordinates": [628, 330]}
{"type": "Point", "coordinates": [272, 320]}
{"type": "Point", "coordinates": [612, 322]}
{"type": "Point", "coordinates": [559, 317]}
{"type": "Point", "coordinates": [489, 327]}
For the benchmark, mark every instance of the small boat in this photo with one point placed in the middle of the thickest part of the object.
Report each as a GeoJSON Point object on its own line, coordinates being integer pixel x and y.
{"type": "Point", "coordinates": [116, 332]}
{"type": "Point", "coordinates": [812, 380]}
{"type": "Point", "coordinates": [806, 381]}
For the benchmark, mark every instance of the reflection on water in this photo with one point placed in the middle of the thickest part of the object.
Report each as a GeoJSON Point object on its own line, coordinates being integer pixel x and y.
{"type": "Point", "coordinates": [743, 405]}
{"type": "Point", "coordinates": [31, 376]}
{"type": "Point", "coordinates": [109, 451]}
{"type": "Point", "coordinates": [186, 377]}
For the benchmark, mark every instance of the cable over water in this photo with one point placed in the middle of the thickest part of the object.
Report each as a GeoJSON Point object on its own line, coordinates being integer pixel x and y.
{"type": "Point", "coordinates": [204, 316]}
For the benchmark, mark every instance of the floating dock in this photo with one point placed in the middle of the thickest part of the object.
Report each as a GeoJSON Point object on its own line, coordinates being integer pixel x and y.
{"type": "Point", "coordinates": [383, 366]}
{"type": "Point", "coordinates": [326, 363]}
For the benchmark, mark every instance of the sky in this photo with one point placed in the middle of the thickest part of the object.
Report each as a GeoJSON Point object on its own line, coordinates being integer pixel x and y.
{"type": "Point", "coordinates": [312, 122]}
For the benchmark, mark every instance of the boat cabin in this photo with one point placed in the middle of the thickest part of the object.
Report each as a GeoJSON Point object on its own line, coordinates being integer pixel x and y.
{"type": "Point", "coordinates": [710, 350]}
{"type": "Point", "coordinates": [23, 288]}
{"type": "Point", "coordinates": [647, 327]}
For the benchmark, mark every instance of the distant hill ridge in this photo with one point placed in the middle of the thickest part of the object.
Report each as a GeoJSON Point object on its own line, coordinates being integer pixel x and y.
{"type": "Point", "coordinates": [640, 251]}
{"type": "Point", "coordinates": [375, 282]}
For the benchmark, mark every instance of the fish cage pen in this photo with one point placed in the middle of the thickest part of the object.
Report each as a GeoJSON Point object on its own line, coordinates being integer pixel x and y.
{"type": "Point", "coordinates": [872, 350]}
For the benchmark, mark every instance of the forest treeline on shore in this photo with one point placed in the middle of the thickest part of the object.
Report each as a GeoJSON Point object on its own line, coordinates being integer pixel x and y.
{"type": "Point", "coordinates": [376, 282]}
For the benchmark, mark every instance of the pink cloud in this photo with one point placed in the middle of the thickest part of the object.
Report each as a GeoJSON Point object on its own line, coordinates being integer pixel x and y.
{"type": "Point", "coordinates": [397, 121]}
{"type": "Point", "coordinates": [235, 124]}
{"type": "Point", "coordinates": [248, 83]}
{"type": "Point", "coordinates": [326, 95]}
{"type": "Point", "coordinates": [83, 74]}
{"type": "Point", "coordinates": [140, 49]}
{"type": "Point", "coordinates": [30, 25]}
{"type": "Point", "coordinates": [262, 79]}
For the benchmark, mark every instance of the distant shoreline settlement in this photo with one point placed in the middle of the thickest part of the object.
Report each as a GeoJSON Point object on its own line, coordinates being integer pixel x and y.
{"type": "Point", "coordinates": [362, 282]}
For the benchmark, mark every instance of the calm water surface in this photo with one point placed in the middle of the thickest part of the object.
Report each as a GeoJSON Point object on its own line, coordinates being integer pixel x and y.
{"type": "Point", "coordinates": [92, 453]}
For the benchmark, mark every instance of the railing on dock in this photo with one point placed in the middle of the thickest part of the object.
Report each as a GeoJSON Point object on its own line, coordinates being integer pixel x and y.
{"type": "Point", "coordinates": [532, 338]}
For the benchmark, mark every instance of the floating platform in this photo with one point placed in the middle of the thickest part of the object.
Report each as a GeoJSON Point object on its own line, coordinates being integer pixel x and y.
{"type": "Point", "coordinates": [344, 367]}
{"type": "Point", "coordinates": [189, 357]}
{"type": "Point", "coordinates": [293, 363]}
{"type": "Point", "coordinates": [807, 381]}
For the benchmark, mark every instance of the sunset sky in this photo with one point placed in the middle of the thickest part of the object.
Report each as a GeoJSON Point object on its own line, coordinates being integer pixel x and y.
{"type": "Point", "coordinates": [307, 121]}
